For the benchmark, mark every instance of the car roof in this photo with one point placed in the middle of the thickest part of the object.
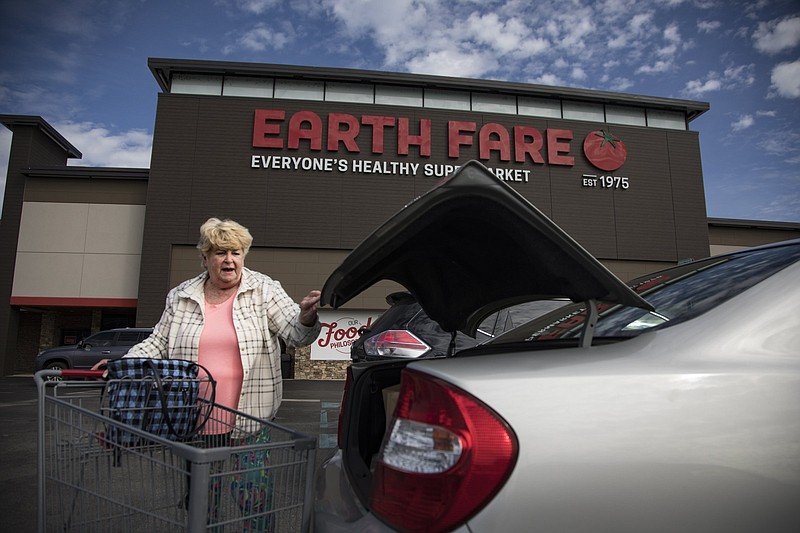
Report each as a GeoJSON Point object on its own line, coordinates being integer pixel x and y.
{"type": "Point", "coordinates": [470, 246]}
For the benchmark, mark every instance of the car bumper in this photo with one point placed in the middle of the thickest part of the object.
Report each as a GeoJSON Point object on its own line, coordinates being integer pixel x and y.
{"type": "Point", "coordinates": [336, 507]}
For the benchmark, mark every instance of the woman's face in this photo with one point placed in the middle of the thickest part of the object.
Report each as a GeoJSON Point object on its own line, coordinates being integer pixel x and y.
{"type": "Point", "coordinates": [224, 267]}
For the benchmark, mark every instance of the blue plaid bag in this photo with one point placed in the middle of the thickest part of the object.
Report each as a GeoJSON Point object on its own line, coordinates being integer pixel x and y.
{"type": "Point", "coordinates": [160, 396]}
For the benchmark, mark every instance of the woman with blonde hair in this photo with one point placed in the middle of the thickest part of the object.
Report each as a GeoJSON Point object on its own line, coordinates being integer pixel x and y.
{"type": "Point", "coordinates": [229, 319]}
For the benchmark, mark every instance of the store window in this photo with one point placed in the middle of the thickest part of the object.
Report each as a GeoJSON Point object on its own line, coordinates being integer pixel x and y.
{"type": "Point", "coordinates": [587, 111]}
{"type": "Point", "coordinates": [666, 119]}
{"type": "Point", "coordinates": [444, 99]}
{"type": "Point", "coordinates": [196, 84]}
{"type": "Point", "coordinates": [405, 96]}
{"type": "Point", "coordinates": [299, 90]}
{"type": "Point", "coordinates": [631, 116]}
{"type": "Point", "coordinates": [494, 103]}
{"type": "Point", "coordinates": [252, 87]}
{"type": "Point", "coordinates": [356, 93]}
{"type": "Point", "coordinates": [539, 107]}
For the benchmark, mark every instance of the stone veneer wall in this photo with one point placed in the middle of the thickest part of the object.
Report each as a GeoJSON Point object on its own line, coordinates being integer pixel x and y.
{"type": "Point", "coordinates": [305, 368]}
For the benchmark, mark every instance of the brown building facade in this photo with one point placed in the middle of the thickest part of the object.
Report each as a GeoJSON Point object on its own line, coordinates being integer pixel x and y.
{"type": "Point", "coordinates": [312, 160]}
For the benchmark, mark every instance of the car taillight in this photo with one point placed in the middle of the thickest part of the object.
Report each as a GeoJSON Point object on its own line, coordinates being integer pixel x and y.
{"type": "Point", "coordinates": [445, 457]}
{"type": "Point", "coordinates": [395, 343]}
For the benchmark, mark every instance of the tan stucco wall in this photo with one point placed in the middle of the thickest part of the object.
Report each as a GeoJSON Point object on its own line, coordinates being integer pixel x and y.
{"type": "Point", "coordinates": [79, 250]}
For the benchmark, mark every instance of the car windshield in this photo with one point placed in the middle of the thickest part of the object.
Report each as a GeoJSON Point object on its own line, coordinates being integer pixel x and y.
{"type": "Point", "coordinates": [511, 317]}
{"type": "Point", "coordinates": [677, 294]}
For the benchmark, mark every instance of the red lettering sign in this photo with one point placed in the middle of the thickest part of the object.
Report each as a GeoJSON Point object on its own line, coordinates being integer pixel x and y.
{"type": "Point", "coordinates": [347, 136]}
{"type": "Point", "coordinates": [378, 125]}
{"type": "Point", "coordinates": [297, 131]}
{"type": "Point", "coordinates": [332, 332]}
{"type": "Point", "coordinates": [456, 137]}
{"type": "Point", "coordinates": [345, 131]}
{"type": "Point", "coordinates": [494, 137]}
{"type": "Point", "coordinates": [265, 130]}
{"type": "Point", "coordinates": [523, 147]}
{"type": "Point", "coordinates": [556, 147]}
{"type": "Point", "coordinates": [405, 139]}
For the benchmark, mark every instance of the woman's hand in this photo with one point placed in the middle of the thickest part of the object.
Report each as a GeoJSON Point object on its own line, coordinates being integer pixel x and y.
{"type": "Point", "coordinates": [101, 364]}
{"type": "Point", "coordinates": [309, 307]}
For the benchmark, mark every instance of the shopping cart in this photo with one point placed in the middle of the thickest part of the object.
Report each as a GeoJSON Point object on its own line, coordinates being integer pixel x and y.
{"type": "Point", "coordinates": [99, 474]}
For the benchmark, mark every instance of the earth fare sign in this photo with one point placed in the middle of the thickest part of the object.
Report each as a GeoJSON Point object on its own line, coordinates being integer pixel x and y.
{"type": "Point", "coordinates": [337, 133]}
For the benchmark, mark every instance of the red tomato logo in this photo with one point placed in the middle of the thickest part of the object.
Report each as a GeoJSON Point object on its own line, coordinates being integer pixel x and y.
{"type": "Point", "coordinates": [604, 151]}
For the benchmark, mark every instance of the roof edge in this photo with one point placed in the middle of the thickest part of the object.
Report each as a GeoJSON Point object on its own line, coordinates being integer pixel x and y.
{"type": "Point", "coordinates": [162, 68]}
{"type": "Point", "coordinates": [762, 224]}
{"type": "Point", "coordinates": [87, 172]}
{"type": "Point", "coordinates": [10, 121]}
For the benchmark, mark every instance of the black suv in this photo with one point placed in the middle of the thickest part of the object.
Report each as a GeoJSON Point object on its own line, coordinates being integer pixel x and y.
{"type": "Point", "coordinates": [109, 344]}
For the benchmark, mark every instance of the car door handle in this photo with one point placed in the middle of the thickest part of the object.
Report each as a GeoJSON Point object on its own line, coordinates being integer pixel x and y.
{"type": "Point", "coordinates": [105, 352]}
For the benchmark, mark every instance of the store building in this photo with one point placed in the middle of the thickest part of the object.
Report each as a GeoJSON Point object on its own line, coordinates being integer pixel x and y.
{"type": "Point", "coordinates": [312, 160]}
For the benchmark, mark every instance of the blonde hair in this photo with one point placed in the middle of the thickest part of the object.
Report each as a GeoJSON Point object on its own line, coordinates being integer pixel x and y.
{"type": "Point", "coordinates": [216, 234]}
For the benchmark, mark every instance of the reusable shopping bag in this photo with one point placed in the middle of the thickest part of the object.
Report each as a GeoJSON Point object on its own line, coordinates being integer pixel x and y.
{"type": "Point", "coordinates": [160, 396]}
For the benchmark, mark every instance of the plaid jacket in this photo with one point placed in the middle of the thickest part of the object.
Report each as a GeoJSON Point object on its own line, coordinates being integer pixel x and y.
{"type": "Point", "coordinates": [262, 313]}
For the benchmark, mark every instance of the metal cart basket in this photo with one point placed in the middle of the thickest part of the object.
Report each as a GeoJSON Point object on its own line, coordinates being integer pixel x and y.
{"type": "Point", "coordinates": [99, 474]}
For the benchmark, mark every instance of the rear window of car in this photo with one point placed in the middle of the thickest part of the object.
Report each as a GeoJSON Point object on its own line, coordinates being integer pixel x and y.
{"type": "Point", "coordinates": [677, 294]}
{"type": "Point", "coordinates": [105, 338]}
{"type": "Point", "coordinates": [128, 338]}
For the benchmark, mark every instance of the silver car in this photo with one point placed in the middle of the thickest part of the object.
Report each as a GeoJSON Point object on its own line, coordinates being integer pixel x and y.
{"type": "Point", "coordinates": [669, 405]}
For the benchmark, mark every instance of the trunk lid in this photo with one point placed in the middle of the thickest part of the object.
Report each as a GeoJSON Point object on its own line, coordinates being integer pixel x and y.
{"type": "Point", "coordinates": [470, 246]}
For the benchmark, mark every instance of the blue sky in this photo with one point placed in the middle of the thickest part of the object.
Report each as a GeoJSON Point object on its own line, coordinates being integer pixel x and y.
{"type": "Point", "coordinates": [82, 66]}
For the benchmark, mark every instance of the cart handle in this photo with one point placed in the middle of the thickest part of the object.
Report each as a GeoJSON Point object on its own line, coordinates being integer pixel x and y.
{"type": "Point", "coordinates": [71, 373]}
{"type": "Point", "coordinates": [83, 373]}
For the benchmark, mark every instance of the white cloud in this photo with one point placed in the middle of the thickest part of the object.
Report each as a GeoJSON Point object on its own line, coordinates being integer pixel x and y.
{"type": "Point", "coordinates": [256, 7]}
{"type": "Point", "coordinates": [100, 147]}
{"type": "Point", "coordinates": [578, 74]}
{"type": "Point", "coordinates": [656, 68]}
{"type": "Point", "coordinates": [621, 84]}
{"type": "Point", "coordinates": [699, 88]}
{"type": "Point", "coordinates": [786, 79]}
{"type": "Point", "coordinates": [452, 63]}
{"type": "Point", "coordinates": [672, 34]}
{"type": "Point", "coordinates": [548, 79]}
{"type": "Point", "coordinates": [785, 206]}
{"type": "Point", "coordinates": [777, 35]}
{"type": "Point", "coordinates": [733, 77]}
{"type": "Point", "coordinates": [744, 122]}
{"type": "Point", "coordinates": [261, 38]}
{"type": "Point", "coordinates": [782, 143]}
{"type": "Point", "coordinates": [741, 75]}
{"type": "Point", "coordinates": [708, 26]}
{"type": "Point", "coordinates": [576, 28]}
{"type": "Point", "coordinates": [502, 36]}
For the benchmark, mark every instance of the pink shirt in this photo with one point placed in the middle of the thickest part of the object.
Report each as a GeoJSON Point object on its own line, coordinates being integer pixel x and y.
{"type": "Point", "coordinates": [218, 351]}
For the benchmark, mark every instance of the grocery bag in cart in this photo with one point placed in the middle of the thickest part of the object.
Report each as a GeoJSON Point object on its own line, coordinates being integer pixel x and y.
{"type": "Point", "coordinates": [160, 396]}
{"type": "Point", "coordinates": [253, 476]}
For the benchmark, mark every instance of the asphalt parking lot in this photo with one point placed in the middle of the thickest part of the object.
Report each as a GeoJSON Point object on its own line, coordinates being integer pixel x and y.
{"type": "Point", "coordinates": [310, 407]}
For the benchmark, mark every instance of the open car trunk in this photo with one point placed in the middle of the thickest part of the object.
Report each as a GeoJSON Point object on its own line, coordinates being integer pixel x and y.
{"type": "Point", "coordinates": [365, 416]}
{"type": "Point", "coordinates": [469, 247]}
